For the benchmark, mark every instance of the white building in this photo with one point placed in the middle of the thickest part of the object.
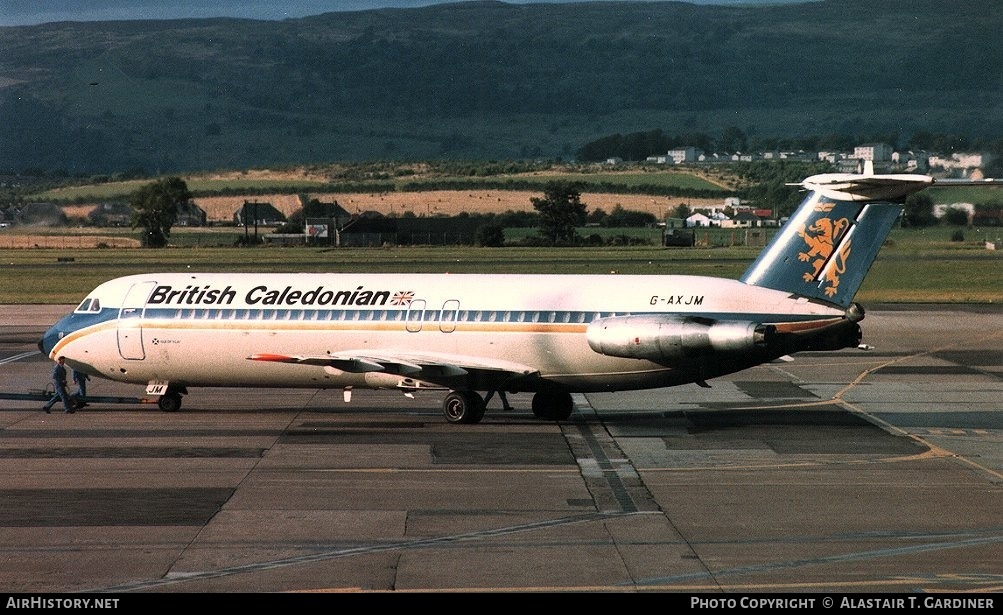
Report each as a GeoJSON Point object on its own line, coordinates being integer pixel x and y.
{"type": "Point", "coordinates": [689, 153]}
{"type": "Point", "coordinates": [877, 152]}
{"type": "Point", "coordinates": [940, 210]}
{"type": "Point", "coordinates": [698, 220]}
{"type": "Point", "coordinates": [960, 160]}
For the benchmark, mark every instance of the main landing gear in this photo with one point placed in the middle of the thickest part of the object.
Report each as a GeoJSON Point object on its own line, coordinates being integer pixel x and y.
{"type": "Point", "coordinates": [463, 407]}
{"type": "Point", "coordinates": [468, 407]}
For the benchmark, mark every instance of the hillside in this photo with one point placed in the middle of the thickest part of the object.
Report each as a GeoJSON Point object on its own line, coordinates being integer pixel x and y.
{"type": "Point", "coordinates": [486, 80]}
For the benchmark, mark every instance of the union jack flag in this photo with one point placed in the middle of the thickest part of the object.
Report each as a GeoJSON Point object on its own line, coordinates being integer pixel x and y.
{"type": "Point", "coordinates": [403, 297]}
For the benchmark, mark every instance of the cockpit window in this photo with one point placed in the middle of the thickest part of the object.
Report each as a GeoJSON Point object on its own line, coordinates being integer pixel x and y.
{"type": "Point", "coordinates": [88, 306]}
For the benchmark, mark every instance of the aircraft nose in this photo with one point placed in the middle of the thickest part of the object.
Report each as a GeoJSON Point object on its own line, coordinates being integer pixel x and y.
{"type": "Point", "coordinates": [48, 340]}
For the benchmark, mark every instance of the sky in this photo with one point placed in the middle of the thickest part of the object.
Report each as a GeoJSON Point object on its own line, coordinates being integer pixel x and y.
{"type": "Point", "coordinates": [31, 12]}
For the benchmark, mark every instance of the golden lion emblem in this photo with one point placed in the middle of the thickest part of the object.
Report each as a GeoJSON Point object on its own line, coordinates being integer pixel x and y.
{"type": "Point", "coordinates": [821, 238]}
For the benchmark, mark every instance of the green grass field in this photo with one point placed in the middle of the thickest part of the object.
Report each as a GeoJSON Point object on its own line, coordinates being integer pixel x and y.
{"type": "Point", "coordinates": [914, 266]}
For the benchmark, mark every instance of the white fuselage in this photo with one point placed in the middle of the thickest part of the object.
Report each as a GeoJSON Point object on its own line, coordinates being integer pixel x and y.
{"type": "Point", "coordinates": [201, 329]}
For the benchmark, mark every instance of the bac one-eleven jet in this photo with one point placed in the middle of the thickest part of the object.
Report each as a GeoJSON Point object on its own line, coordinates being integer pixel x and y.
{"type": "Point", "coordinates": [553, 335]}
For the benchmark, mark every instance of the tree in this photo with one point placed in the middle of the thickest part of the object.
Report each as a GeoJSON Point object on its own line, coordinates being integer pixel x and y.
{"type": "Point", "coordinates": [155, 209]}
{"type": "Point", "coordinates": [682, 211]}
{"type": "Point", "coordinates": [956, 216]}
{"type": "Point", "coordinates": [918, 211]}
{"type": "Point", "coordinates": [621, 217]}
{"type": "Point", "coordinates": [561, 210]}
{"type": "Point", "coordinates": [733, 140]}
{"type": "Point", "coordinates": [596, 216]}
{"type": "Point", "coordinates": [491, 235]}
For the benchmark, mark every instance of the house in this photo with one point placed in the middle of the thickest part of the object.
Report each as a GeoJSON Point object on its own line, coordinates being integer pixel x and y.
{"type": "Point", "coordinates": [940, 210]}
{"type": "Point", "coordinates": [258, 214]}
{"type": "Point", "coordinates": [877, 152]}
{"type": "Point", "coordinates": [746, 219]}
{"type": "Point", "coordinates": [190, 214]}
{"type": "Point", "coordinates": [765, 217]}
{"type": "Point", "coordinates": [679, 155]}
{"type": "Point", "coordinates": [698, 220]}
{"type": "Point", "coordinates": [41, 214]}
{"type": "Point", "coordinates": [912, 162]}
{"type": "Point", "coordinates": [958, 160]}
{"type": "Point", "coordinates": [313, 208]}
{"type": "Point", "coordinates": [849, 165]}
{"type": "Point", "coordinates": [110, 214]}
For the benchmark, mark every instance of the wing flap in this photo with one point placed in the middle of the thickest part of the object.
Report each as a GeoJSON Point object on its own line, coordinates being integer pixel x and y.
{"type": "Point", "coordinates": [354, 365]}
{"type": "Point", "coordinates": [431, 367]}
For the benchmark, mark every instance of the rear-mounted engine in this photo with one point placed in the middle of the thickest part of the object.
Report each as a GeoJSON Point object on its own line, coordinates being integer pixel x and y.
{"type": "Point", "coordinates": [657, 338]}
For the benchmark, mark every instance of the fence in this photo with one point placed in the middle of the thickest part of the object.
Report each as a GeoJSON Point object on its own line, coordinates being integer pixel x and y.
{"type": "Point", "coordinates": [726, 238]}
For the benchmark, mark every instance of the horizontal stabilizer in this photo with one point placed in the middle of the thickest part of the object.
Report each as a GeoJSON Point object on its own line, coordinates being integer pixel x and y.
{"type": "Point", "coordinates": [873, 188]}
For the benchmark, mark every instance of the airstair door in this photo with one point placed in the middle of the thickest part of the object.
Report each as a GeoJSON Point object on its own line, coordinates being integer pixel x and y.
{"type": "Point", "coordinates": [130, 321]}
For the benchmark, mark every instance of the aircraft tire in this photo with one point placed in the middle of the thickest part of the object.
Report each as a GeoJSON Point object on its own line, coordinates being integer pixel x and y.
{"type": "Point", "coordinates": [563, 406]}
{"type": "Point", "coordinates": [465, 407]}
{"type": "Point", "coordinates": [553, 406]}
{"type": "Point", "coordinates": [171, 402]}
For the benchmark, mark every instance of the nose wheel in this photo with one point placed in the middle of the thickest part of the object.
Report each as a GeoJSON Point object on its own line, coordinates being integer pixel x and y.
{"type": "Point", "coordinates": [170, 401]}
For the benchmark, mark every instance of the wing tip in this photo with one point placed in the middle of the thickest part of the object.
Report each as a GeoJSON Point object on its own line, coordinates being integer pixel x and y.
{"type": "Point", "coordinates": [266, 356]}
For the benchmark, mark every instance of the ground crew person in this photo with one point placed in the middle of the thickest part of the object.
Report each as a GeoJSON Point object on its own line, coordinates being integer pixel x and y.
{"type": "Point", "coordinates": [81, 379]}
{"type": "Point", "coordinates": [59, 386]}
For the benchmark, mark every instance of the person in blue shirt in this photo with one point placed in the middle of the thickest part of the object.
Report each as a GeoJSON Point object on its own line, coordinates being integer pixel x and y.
{"type": "Point", "coordinates": [81, 379]}
{"type": "Point", "coordinates": [59, 386]}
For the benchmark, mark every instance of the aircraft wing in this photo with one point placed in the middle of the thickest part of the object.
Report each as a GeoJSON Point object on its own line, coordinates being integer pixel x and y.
{"type": "Point", "coordinates": [438, 368]}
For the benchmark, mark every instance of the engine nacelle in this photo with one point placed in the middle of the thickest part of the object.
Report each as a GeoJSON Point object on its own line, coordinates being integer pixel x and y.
{"type": "Point", "coordinates": [660, 338]}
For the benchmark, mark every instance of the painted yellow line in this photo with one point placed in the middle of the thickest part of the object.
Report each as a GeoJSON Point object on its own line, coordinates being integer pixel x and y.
{"type": "Point", "coordinates": [934, 450]}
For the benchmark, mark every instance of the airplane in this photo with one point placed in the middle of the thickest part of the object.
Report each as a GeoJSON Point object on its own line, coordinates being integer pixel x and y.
{"type": "Point", "coordinates": [552, 335]}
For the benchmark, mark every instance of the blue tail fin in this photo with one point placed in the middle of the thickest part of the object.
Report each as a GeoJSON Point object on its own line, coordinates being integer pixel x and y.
{"type": "Point", "coordinates": [827, 247]}
{"type": "Point", "coordinates": [825, 250]}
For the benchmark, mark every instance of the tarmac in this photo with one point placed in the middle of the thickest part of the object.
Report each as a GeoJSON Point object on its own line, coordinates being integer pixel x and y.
{"type": "Point", "coordinates": [859, 471]}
